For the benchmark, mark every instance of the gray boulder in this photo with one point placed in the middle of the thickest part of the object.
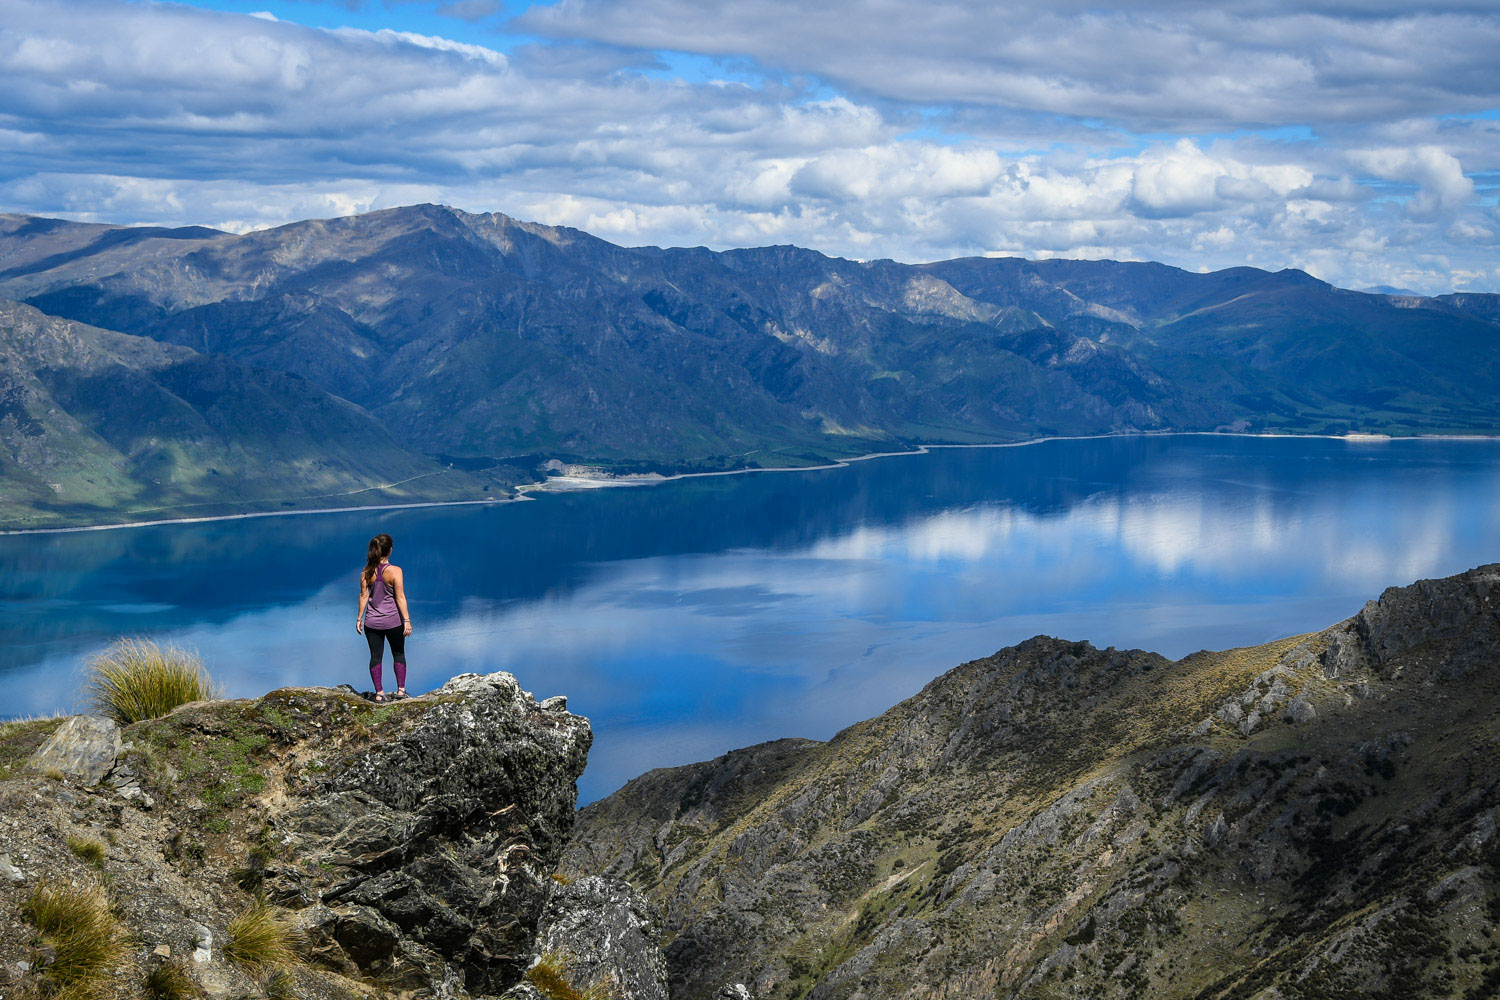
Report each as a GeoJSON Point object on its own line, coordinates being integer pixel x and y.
{"type": "Point", "coordinates": [84, 748]}
{"type": "Point", "coordinates": [1301, 710]}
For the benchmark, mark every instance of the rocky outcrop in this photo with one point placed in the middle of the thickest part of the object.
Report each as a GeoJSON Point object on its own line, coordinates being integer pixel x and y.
{"type": "Point", "coordinates": [406, 849]}
{"type": "Point", "coordinates": [1311, 818]}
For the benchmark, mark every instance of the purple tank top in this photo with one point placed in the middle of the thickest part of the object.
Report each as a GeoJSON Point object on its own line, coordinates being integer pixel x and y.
{"type": "Point", "coordinates": [381, 611]}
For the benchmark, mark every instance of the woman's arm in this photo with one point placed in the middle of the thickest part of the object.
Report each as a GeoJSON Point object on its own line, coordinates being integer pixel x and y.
{"type": "Point", "coordinates": [364, 598]}
{"type": "Point", "coordinates": [398, 584]}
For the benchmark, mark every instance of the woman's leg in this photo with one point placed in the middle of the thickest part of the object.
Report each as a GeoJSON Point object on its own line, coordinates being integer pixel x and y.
{"type": "Point", "coordinates": [398, 657]}
{"type": "Point", "coordinates": [376, 638]}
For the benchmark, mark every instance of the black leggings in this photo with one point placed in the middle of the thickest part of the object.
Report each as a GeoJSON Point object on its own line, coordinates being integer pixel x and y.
{"type": "Point", "coordinates": [376, 637]}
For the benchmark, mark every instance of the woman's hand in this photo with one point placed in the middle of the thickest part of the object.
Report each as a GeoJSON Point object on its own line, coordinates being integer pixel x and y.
{"type": "Point", "coordinates": [359, 625]}
{"type": "Point", "coordinates": [406, 627]}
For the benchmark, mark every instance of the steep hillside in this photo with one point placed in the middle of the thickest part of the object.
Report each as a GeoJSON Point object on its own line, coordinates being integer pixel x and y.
{"type": "Point", "coordinates": [1312, 818]}
{"type": "Point", "coordinates": [101, 426]}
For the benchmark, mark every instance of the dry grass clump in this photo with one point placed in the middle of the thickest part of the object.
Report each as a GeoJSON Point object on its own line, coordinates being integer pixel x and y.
{"type": "Point", "coordinates": [279, 984]}
{"type": "Point", "coordinates": [170, 981]}
{"type": "Point", "coordinates": [550, 977]}
{"type": "Point", "coordinates": [260, 939]}
{"type": "Point", "coordinates": [76, 925]}
{"type": "Point", "coordinates": [137, 679]}
{"type": "Point", "coordinates": [87, 850]}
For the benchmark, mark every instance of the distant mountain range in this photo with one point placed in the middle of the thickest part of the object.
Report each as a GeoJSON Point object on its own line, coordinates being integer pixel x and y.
{"type": "Point", "coordinates": [333, 356]}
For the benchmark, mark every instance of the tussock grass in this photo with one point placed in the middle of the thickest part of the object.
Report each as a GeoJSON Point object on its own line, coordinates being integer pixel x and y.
{"type": "Point", "coordinates": [170, 981]}
{"type": "Point", "coordinates": [87, 850]}
{"type": "Point", "coordinates": [260, 939]}
{"type": "Point", "coordinates": [76, 923]}
{"type": "Point", "coordinates": [137, 679]}
{"type": "Point", "coordinates": [279, 985]}
{"type": "Point", "coordinates": [550, 977]}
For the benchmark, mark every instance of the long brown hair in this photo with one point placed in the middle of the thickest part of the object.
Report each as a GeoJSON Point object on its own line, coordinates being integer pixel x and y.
{"type": "Point", "coordinates": [380, 548]}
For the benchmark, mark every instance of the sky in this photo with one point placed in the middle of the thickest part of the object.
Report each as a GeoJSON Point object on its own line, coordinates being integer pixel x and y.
{"type": "Point", "coordinates": [1359, 141]}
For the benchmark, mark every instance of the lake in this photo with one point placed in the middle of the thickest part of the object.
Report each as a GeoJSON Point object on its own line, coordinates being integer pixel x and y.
{"type": "Point", "coordinates": [698, 615]}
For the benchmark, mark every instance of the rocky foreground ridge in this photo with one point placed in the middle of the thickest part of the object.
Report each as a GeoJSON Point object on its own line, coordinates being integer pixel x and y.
{"type": "Point", "coordinates": [402, 851]}
{"type": "Point", "coordinates": [1311, 818]}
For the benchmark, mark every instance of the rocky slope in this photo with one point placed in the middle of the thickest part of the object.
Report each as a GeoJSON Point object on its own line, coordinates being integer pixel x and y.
{"type": "Point", "coordinates": [99, 426]}
{"type": "Point", "coordinates": [1311, 818]}
{"type": "Point", "coordinates": [481, 338]}
{"type": "Point", "coordinates": [406, 850]}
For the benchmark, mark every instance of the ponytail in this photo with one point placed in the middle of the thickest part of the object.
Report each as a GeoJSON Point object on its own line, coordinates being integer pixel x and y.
{"type": "Point", "coordinates": [380, 548]}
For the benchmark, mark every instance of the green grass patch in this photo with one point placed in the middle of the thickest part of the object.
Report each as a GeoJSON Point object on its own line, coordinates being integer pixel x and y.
{"type": "Point", "coordinates": [76, 923]}
{"type": "Point", "coordinates": [223, 763]}
{"type": "Point", "coordinates": [137, 679]}
{"type": "Point", "coordinates": [378, 717]}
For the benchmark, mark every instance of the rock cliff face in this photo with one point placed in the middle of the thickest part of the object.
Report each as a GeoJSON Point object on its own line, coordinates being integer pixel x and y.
{"type": "Point", "coordinates": [1311, 818]}
{"type": "Point", "coordinates": [406, 850]}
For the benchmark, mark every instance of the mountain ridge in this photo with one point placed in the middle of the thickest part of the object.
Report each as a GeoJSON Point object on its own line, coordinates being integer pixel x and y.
{"type": "Point", "coordinates": [480, 338]}
{"type": "Point", "coordinates": [96, 424]}
{"type": "Point", "coordinates": [1310, 818]}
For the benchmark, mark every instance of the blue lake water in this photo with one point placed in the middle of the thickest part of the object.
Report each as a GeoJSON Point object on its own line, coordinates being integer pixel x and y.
{"type": "Point", "coordinates": [699, 615]}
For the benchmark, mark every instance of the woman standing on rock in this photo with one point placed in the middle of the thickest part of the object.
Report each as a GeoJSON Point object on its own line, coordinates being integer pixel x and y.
{"type": "Point", "coordinates": [382, 612]}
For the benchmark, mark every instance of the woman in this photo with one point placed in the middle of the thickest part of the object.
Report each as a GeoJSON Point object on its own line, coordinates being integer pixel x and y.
{"type": "Point", "coordinates": [382, 612]}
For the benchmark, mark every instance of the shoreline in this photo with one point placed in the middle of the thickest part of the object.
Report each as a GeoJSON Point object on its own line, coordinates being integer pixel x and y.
{"type": "Point", "coordinates": [523, 493]}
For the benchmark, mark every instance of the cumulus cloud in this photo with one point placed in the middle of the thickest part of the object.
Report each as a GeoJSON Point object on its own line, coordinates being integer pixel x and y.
{"type": "Point", "coordinates": [1438, 176]}
{"type": "Point", "coordinates": [127, 112]}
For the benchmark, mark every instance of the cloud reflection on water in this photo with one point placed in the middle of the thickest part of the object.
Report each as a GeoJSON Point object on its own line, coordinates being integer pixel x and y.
{"type": "Point", "coordinates": [809, 602]}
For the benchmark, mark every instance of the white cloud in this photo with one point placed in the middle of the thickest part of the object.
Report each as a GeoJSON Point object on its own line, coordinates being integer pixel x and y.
{"type": "Point", "coordinates": [124, 112]}
{"type": "Point", "coordinates": [1441, 184]}
{"type": "Point", "coordinates": [1156, 64]}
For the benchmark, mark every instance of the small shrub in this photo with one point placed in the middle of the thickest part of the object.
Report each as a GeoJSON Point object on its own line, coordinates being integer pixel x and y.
{"type": "Point", "coordinates": [137, 679]}
{"type": "Point", "coordinates": [550, 977]}
{"type": "Point", "coordinates": [259, 938]}
{"type": "Point", "coordinates": [84, 936]}
{"type": "Point", "coordinates": [87, 850]}
{"type": "Point", "coordinates": [170, 981]}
